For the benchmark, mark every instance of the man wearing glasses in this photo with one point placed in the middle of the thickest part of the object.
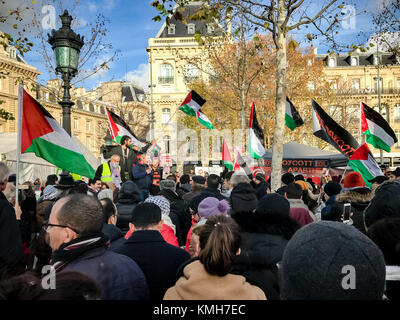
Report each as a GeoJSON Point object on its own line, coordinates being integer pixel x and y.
{"type": "Point", "coordinates": [75, 237]}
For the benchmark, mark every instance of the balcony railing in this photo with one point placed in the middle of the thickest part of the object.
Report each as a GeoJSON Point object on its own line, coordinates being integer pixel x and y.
{"type": "Point", "coordinates": [368, 91]}
{"type": "Point", "coordinates": [165, 79]}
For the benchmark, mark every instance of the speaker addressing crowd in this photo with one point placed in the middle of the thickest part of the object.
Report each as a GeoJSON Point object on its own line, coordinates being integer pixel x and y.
{"type": "Point", "coordinates": [135, 233]}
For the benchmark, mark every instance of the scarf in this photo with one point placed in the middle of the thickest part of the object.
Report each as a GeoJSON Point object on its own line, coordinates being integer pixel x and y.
{"type": "Point", "coordinates": [70, 251]}
{"type": "Point", "coordinates": [116, 175]}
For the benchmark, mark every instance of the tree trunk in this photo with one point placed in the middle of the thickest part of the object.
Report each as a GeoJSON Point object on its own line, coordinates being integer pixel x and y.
{"type": "Point", "coordinates": [243, 116]}
{"type": "Point", "coordinates": [279, 131]}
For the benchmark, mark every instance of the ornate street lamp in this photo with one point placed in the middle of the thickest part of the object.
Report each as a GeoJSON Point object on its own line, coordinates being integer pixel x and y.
{"type": "Point", "coordinates": [66, 45]}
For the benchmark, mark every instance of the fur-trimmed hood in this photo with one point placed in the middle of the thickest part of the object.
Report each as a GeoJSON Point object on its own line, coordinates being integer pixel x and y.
{"type": "Point", "coordinates": [361, 195]}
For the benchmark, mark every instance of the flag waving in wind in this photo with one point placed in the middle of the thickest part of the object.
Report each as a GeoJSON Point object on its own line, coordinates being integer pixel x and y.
{"type": "Point", "coordinates": [226, 156]}
{"type": "Point", "coordinates": [192, 107]}
{"type": "Point", "coordinates": [376, 129]}
{"type": "Point", "coordinates": [327, 129]}
{"type": "Point", "coordinates": [363, 162]}
{"type": "Point", "coordinates": [42, 135]}
{"type": "Point", "coordinates": [119, 128]}
{"type": "Point", "coordinates": [240, 163]}
{"type": "Point", "coordinates": [256, 136]}
{"type": "Point", "coordinates": [292, 117]}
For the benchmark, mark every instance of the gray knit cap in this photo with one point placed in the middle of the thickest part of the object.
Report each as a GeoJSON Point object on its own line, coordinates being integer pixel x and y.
{"type": "Point", "coordinates": [168, 184]}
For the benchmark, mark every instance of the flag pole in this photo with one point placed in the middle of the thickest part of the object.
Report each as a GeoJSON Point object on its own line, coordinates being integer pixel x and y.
{"type": "Point", "coordinates": [20, 101]}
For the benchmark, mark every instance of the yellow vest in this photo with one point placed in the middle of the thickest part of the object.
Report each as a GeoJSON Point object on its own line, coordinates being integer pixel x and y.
{"type": "Point", "coordinates": [106, 173]}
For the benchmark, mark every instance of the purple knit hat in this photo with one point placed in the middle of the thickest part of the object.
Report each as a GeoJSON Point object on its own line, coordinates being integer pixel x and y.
{"type": "Point", "coordinates": [212, 206]}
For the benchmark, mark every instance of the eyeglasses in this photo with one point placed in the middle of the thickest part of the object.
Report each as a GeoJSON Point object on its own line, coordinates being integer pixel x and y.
{"type": "Point", "coordinates": [47, 225]}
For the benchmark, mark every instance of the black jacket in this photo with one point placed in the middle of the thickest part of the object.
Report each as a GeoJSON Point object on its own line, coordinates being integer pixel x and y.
{"type": "Point", "coordinates": [128, 199]}
{"type": "Point", "coordinates": [141, 177]}
{"type": "Point", "coordinates": [158, 259]}
{"type": "Point", "coordinates": [11, 250]}
{"type": "Point", "coordinates": [210, 192]}
{"type": "Point", "coordinates": [115, 235]}
{"type": "Point", "coordinates": [126, 166]}
{"type": "Point", "coordinates": [243, 198]}
{"type": "Point", "coordinates": [260, 252]}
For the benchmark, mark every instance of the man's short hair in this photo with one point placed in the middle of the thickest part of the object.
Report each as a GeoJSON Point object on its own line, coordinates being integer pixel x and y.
{"type": "Point", "coordinates": [213, 181]}
{"type": "Point", "coordinates": [200, 180]}
{"type": "Point", "coordinates": [124, 138]}
{"type": "Point", "coordinates": [114, 156]}
{"type": "Point", "coordinates": [94, 180]}
{"type": "Point", "coordinates": [293, 191]}
{"type": "Point", "coordinates": [145, 215]}
{"type": "Point", "coordinates": [229, 175]}
{"type": "Point", "coordinates": [185, 179]}
{"type": "Point", "coordinates": [4, 172]}
{"type": "Point", "coordinates": [82, 213]}
{"type": "Point", "coordinates": [239, 178]}
{"type": "Point", "coordinates": [171, 177]}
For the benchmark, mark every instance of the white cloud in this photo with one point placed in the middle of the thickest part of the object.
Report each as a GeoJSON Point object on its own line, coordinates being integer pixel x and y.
{"type": "Point", "coordinates": [109, 4]}
{"type": "Point", "coordinates": [140, 76]}
{"type": "Point", "coordinates": [92, 7]}
{"type": "Point", "coordinates": [386, 41]}
{"type": "Point", "coordinates": [78, 22]}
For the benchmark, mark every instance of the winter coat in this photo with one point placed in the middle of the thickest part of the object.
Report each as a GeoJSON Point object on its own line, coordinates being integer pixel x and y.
{"type": "Point", "coordinates": [140, 176]}
{"type": "Point", "coordinates": [126, 166]}
{"type": "Point", "coordinates": [11, 250]}
{"type": "Point", "coordinates": [392, 291]}
{"type": "Point", "coordinates": [194, 193]}
{"type": "Point", "coordinates": [209, 192]}
{"type": "Point", "coordinates": [115, 235]}
{"type": "Point", "coordinates": [158, 259]}
{"type": "Point", "coordinates": [359, 199]}
{"type": "Point", "coordinates": [261, 189]}
{"type": "Point", "coordinates": [128, 199]}
{"type": "Point", "coordinates": [198, 284]}
{"type": "Point", "coordinates": [183, 189]}
{"type": "Point", "coordinates": [300, 212]}
{"type": "Point", "coordinates": [118, 277]}
{"type": "Point", "coordinates": [281, 190]}
{"type": "Point", "coordinates": [257, 262]}
{"type": "Point", "coordinates": [326, 211]}
{"type": "Point", "coordinates": [243, 198]}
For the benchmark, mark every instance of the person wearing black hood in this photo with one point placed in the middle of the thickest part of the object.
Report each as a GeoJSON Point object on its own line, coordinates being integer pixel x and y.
{"type": "Point", "coordinates": [261, 186]}
{"type": "Point", "coordinates": [243, 196]}
{"type": "Point", "coordinates": [128, 198]}
{"type": "Point", "coordinates": [212, 190]}
{"type": "Point", "coordinates": [286, 179]}
{"type": "Point", "coordinates": [265, 233]}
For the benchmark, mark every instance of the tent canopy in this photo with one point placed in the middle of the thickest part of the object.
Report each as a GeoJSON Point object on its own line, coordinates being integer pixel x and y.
{"type": "Point", "coordinates": [296, 151]}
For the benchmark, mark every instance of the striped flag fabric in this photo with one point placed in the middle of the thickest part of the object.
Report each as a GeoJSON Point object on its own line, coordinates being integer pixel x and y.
{"type": "Point", "coordinates": [119, 128]}
{"type": "Point", "coordinates": [42, 135]}
{"type": "Point", "coordinates": [292, 117]}
{"type": "Point", "coordinates": [376, 129]}
{"type": "Point", "coordinates": [240, 164]}
{"type": "Point", "coordinates": [226, 156]}
{"type": "Point", "coordinates": [203, 119]}
{"type": "Point", "coordinates": [363, 162]}
{"type": "Point", "coordinates": [256, 136]}
{"type": "Point", "coordinates": [192, 107]}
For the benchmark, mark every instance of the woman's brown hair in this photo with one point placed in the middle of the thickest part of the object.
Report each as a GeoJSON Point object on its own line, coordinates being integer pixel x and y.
{"type": "Point", "coordinates": [219, 243]}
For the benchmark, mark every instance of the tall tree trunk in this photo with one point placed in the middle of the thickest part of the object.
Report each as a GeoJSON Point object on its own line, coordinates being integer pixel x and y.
{"type": "Point", "coordinates": [243, 116]}
{"type": "Point", "coordinates": [280, 100]}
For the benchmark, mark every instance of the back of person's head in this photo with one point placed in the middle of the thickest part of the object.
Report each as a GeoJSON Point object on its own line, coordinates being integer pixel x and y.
{"type": "Point", "coordinates": [184, 179]}
{"type": "Point", "coordinates": [213, 181]}
{"type": "Point", "coordinates": [124, 138]}
{"type": "Point", "coordinates": [82, 213]}
{"type": "Point", "coordinates": [105, 194]}
{"type": "Point", "coordinates": [199, 180]}
{"type": "Point", "coordinates": [211, 206]}
{"type": "Point", "coordinates": [51, 179]}
{"type": "Point", "coordinates": [287, 178]}
{"type": "Point", "coordinates": [294, 191]}
{"type": "Point", "coordinates": [154, 190]}
{"type": "Point", "coordinates": [146, 215]}
{"type": "Point", "coordinates": [4, 173]}
{"type": "Point", "coordinates": [79, 187]}
{"type": "Point", "coordinates": [109, 208]}
{"type": "Point", "coordinates": [228, 175]}
{"type": "Point", "coordinates": [219, 243]}
{"type": "Point", "coordinates": [93, 181]}
{"type": "Point", "coordinates": [332, 188]}
{"type": "Point", "coordinates": [129, 190]}
{"type": "Point", "coordinates": [171, 177]}
{"type": "Point", "coordinates": [239, 177]}
{"type": "Point", "coordinates": [386, 235]}
{"type": "Point", "coordinates": [161, 202]}
{"type": "Point", "coordinates": [329, 260]}
{"type": "Point", "coordinates": [299, 177]}
{"type": "Point", "coordinates": [168, 184]}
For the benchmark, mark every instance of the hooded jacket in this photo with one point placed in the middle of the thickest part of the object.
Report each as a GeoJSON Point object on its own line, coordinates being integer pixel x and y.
{"type": "Point", "coordinates": [196, 283]}
{"type": "Point", "coordinates": [359, 198]}
{"type": "Point", "coordinates": [115, 235]}
{"type": "Point", "coordinates": [128, 199]}
{"type": "Point", "coordinates": [243, 198]}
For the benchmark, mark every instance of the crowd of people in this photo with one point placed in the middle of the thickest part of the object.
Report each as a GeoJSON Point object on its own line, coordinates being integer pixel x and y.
{"type": "Point", "coordinates": [130, 233]}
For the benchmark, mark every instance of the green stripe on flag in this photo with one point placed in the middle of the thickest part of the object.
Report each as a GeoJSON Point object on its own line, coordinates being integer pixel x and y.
{"type": "Point", "coordinates": [188, 110]}
{"type": "Point", "coordinates": [376, 141]}
{"type": "Point", "coordinates": [228, 164]}
{"type": "Point", "coordinates": [205, 123]}
{"type": "Point", "coordinates": [61, 157]}
{"type": "Point", "coordinates": [358, 166]}
{"type": "Point", "coordinates": [289, 122]}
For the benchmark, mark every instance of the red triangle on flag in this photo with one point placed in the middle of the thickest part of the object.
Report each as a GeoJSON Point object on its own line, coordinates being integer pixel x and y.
{"type": "Point", "coordinates": [226, 155]}
{"type": "Point", "coordinates": [361, 153]}
{"type": "Point", "coordinates": [364, 123]}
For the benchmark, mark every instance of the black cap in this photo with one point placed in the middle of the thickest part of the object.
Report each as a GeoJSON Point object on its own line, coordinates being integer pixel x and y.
{"type": "Point", "coordinates": [379, 179]}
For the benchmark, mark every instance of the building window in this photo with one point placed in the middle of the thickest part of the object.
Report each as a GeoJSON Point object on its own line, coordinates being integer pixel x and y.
{"type": "Point", "coordinates": [166, 113]}
{"type": "Point", "coordinates": [376, 82]}
{"type": "Point", "coordinates": [166, 73]}
{"type": "Point", "coordinates": [102, 110]}
{"type": "Point", "coordinates": [336, 113]}
{"type": "Point", "coordinates": [76, 123]}
{"type": "Point", "coordinates": [396, 112]}
{"type": "Point", "coordinates": [171, 29]}
{"type": "Point", "coordinates": [87, 125]}
{"type": "Point", "coordinates": [190, 73]}
{"type": "Point", "coordinates": [91, 107]}
{"type": "Point", "coordinates": [191, 146]}
{"type": "Point", "coordinates": [333, 84]}
{"type": "Point", "coordinates": [331, 62]}
{"type": "Point", "coordinates": [354, 61]}
{"type": "Point", "coordinates": [88, 142]}
{"type": "Point", "coordinates": [80, 105]}
{"type": "Point", "coordinates": [167, 141]}
{"type": "Point", "coordinates": [218, 144]}
{"type": "Point", "coordinates": [210, 28]}
{"type": "Point", "coordinates": [355, 85]}
{"type": "Point", "coordinates": [191, 27]}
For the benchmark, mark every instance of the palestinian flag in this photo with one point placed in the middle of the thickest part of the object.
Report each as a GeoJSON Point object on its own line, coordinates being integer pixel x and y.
{"type": "Point", "coordinates": [226, 156]}
{"type": "Point", "coordinates": [376, 129]}
{"type": "Point", "coordinates": [292, 117]}
{"type": "Point", "coordinates": [42, 135]}
{"type": "Point", "coordinates": [119, 128]}
{"type": "Point", "coordinates": [192, 103]}
{"type": "Point", "coordinates": [202, 119]}
{"type": "Point", "coordinates": [240, 164]}
{"type": "Point", "coordinates": [256, 136]}
{"type": "Point", "coordinates": [363, 162]}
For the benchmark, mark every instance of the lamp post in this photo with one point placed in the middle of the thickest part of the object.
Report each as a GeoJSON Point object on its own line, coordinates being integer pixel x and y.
{"type": "Point", "coordinates": [66, 45]}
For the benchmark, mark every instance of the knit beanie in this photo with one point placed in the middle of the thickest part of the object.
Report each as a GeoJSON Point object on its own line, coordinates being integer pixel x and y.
{"type": "Point", "coordinates": [303, 184]}
{"type": "Point", "coordinates": [168, 184]}
{"type": "Point", "coordinates": [105, 193]}
{"type": "Point", "coordinates": [161, 202]}
{"type": "Point", "coordinates": [332, 188]}
{"type": "Point", "coordinates": [273, 204]}
{"type": "Point", "coordinates": [212, 206]}
{"type": "Point", "coordinates": [287, 178]}
{"type": "Point", "coordinates": [353, 180]}
{"type": "Point", "coordinates": [322, 257]}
